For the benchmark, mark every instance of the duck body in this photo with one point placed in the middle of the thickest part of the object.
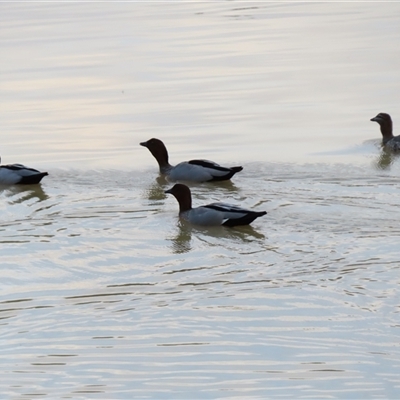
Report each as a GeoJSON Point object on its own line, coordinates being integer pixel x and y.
{"type": "Point", "coordinates": [18, 174]}
{"type": "Point", "coordinates": [221, 214]}
{"type": "Point", "coordinates": [393, 144]}
{"type": "Point", "coordinates": [193, 170]}
{"type": "Point", "coordinates": [201, 171]}
{"type": "Point", "coordinates": [388, 139]}
{"type": "Point", "coordinates": [214, 214]}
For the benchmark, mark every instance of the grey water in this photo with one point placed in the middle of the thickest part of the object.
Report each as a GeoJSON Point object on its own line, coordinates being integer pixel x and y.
{"type": "Point", "coordinates": [105, 294]}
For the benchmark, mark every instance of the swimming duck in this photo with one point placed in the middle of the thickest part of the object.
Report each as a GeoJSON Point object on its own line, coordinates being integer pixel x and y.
{"type": "Point", "coordinates": [19, 174]}
{"type": "Point", "coordinates": [193, 170]}
{"type": "Point", "coordinates": [386, 124]}
{"type": "Point", "coordinates": [211, 214]}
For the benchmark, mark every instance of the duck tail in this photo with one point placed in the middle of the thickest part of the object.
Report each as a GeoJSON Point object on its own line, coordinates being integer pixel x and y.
{"type": "Point", "coordinates": [32, 179]}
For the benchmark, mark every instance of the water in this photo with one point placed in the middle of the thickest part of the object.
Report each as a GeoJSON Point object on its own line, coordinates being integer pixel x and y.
{"type": "Point", "coordinates": [105, 294]}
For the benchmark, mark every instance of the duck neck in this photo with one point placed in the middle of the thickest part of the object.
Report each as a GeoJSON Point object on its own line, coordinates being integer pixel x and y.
{"type": "Point", "coordinates": [387, 131]}
{"type": "Point", "coordinates": [164, 167]}
{"type": "Point", "coordinates": [161, 155]}
{"type": "Point", "coordinates": [185, 204]}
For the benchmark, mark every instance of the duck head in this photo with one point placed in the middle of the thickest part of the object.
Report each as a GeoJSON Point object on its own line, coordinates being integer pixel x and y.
{"type": "Point", "coordinates": [385, 122]}
{"type": "Point", "coordinates": [183, 195]}
{"type": "Point", "coordinates": [159, 152]}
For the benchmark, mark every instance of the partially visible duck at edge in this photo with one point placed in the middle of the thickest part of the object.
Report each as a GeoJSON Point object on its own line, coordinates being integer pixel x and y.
{"type": "Point", "coordinates": [386, 124]}
{"type": "Point", "coordinates": [214, 214]}
{"type": "Point", "coordinates": [193, 170]}
{"type": "Point", "coordinates": [18, 174]}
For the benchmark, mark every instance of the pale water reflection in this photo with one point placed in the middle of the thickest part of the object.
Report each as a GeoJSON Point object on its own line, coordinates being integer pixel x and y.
{"type": "Point", "coordinates": [386, 159]}
{"type": "Point", "coordinates": [106, 294]}
{"type": "Point", "coordinates": [123, 296]}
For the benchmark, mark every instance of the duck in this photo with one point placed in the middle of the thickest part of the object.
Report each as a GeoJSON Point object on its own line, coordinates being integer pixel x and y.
{"type": "Point", "coordinates": [193, 170]}
{"type": "Point", "coordinates": [386, 124]}
{"type": "Point", "coordinates": [18, 174]}
{"type": "Point", "coordinates": [214, 214]}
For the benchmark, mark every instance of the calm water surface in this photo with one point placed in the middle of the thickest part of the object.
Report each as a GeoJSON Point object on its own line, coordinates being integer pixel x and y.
{"type": "Point", "coordinates": [105, 294]}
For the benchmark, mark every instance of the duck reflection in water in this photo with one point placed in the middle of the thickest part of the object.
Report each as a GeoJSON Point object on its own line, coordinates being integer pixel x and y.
{"type": "Point", "coordinates": [386, 158]}
{"type": "Point", "coordinates": [156, 191]}
{"type": "Point", "coordinates": [182, 241]}
{"type": "Point", "coordinates": [21, 193]}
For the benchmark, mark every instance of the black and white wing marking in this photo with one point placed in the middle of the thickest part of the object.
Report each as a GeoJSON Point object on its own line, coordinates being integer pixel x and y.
{"type": "Point", "coordinates": [217, 172]}
{"type": "Point", "coordinates": [209, 164]}
{"type": "Point", "coordinates": [235, 215]}
{"type": "Point", "coordinates": [227, 208]}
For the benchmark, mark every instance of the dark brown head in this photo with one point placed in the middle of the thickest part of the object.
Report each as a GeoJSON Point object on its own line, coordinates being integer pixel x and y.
{"type": "Point", "coordinates": [159, 151]}
{"type": "Point", "coordinates": [183, 195]}
{"type": "Point", "coordinates": [386, 125]}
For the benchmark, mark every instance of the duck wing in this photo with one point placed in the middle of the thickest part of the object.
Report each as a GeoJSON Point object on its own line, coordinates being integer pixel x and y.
{"type": "Point", "coordinates": [208, 164]}
{"type": "Point", "coordinates": [201, 171]}
{"type": "Point", "coordinates": [235, 215]}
